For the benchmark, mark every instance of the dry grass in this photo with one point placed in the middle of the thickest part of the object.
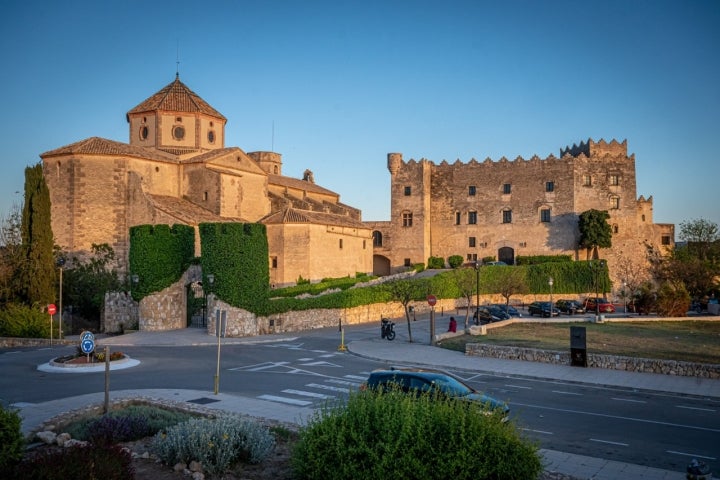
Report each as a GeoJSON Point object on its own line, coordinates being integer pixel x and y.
{"type": "Point", "coordinates": [692, 341]}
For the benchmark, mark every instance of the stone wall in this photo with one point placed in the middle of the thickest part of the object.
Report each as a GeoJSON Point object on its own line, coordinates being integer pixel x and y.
{"type": "Point", "coordinates": [612, 362]}
{"type": "Point", "coordinates": [120, 313]}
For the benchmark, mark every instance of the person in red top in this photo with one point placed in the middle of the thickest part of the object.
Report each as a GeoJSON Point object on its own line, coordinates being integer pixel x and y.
{"type": "Point", "coordinates": [453, 325]}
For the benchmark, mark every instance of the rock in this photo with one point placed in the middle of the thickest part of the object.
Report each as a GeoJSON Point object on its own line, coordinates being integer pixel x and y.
{"type": "Point", "coordinates": [195, 466]}
{"type": "Point", "coordinates": [62, 439]}
{"type": "Point", "coordinates": [75, 443]}
{"type": "Point", "coordinates": [47, 437]}
{"type": "Point", "coordinates": [179, 467]}
{"type": "Point", "coordinates": [198, 476]}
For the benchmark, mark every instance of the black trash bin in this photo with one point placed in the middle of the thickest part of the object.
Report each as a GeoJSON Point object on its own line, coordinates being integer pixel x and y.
{"type": "Point", "coordinates": [578, 347]}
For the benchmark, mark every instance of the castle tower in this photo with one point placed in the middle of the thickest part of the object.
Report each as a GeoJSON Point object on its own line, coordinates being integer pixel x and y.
{"type": "Point", "coordinates": [176, 120]}
{"type": "Point", "coordinates": [270, 162]}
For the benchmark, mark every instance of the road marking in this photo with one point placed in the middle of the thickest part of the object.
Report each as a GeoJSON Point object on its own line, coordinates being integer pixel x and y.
{"type": "Point", "coordinates": [290, 401]}
{"type": "Point", "coordinates": [518, 386]}
{"type": "Point", "coordinates": [304, 359]}
{"type": "Point", "coordinates": [329, 355]}
{"type": "Point", "coordinates": [604, 415]}
{"type": "Point", "coordinates": [538, 431]}
{"type": "Point", "coordinates": [609, 442]}
{"type": "Point", "coordinates": [303, 393]}
{"type": "Point", "coordinates": [695, 408]}
{"type": "Point", "coordinates": [343, 382]}
{"type": "Point", "coordinates": [567, 393]}
{"type": "Point", "coordinates": [690, 455]}
{"type": "Point", "coordinates": [260, 366]}
{"type": "Point", "coordinates": [320, 364]}
{"type": "Point", "coordinates": [328, 387]}
{"type": "Point", "coordinates": [628, 400]}
{"type": "Point", "coordinates": [357, 377]}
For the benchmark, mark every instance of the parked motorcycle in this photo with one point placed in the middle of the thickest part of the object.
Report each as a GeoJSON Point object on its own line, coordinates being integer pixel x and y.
{"type": "Point", "coordinates": [387, 329]}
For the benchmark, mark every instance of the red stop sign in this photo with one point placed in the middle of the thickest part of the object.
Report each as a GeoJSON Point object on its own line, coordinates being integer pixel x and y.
{"type": "Point", "coordinates": [52, 309]}
{"type": "Point", "coordinates": [431, 300]}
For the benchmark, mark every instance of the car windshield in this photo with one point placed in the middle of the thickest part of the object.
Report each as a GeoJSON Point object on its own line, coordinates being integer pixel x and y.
{"type": "Point", "coordinates": [450, 386]}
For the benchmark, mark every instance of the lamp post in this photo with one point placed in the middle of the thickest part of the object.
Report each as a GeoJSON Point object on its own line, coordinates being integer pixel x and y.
{"type": "Point", "coordinates": [477, 292]}
{"type": "Point", "coordinates": [60, 263]}
{"type": "Point", "coordinates": [624, 293]}
{"type": "Point", "coordinates": [550, 282]}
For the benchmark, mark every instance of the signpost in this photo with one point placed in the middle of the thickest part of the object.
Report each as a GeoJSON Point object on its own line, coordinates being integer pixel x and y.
{"type": "Point", "coordinates": [87, 343]}
{"type": "Point", "coordinates": [51, 310]}
{"type": "Point", "coordinates": [432, 300]}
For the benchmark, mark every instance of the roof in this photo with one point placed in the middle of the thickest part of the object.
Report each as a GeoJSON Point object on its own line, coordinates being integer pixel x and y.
{"type": "Point", "coordinates": [186, 211]}
{"type": "Point", "coordinates": [176, 97]}
{"type": "Point", "coordinates": [103, 146]}
{"type": "Point", "coordinates": [298, 184]}
{"type": "Point", "coordinates": [293, 215]}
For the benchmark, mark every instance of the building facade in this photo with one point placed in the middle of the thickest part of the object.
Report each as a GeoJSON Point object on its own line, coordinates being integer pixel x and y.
{"type": "Point", "coordinates": [506, 208]}
{"type": "Point", "coordinates": [176, 169]}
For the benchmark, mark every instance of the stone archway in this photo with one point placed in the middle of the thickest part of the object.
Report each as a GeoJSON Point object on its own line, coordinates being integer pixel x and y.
{"type": "Point", "coordinates": [507, 255]}
{"type": "Point", "coordinates": [381, 265]}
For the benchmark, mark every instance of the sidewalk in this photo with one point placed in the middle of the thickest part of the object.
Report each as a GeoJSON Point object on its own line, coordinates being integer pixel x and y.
{"type": "Point", "coordinates": [402, 352]}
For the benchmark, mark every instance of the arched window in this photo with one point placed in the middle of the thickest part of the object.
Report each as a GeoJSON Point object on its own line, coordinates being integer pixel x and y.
{"type": "Point", "coordinates": [377, 238]}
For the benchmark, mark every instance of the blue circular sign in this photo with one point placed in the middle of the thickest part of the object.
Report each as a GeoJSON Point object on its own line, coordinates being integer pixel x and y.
{"type": "Point", "coordinates": [87, 345]}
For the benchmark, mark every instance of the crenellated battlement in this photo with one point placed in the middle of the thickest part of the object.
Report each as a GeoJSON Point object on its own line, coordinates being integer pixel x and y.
{"type": "Point", "coordinates": [596, 149]}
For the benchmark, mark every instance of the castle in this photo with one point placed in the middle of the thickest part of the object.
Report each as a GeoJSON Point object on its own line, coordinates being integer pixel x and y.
{"type": "Point", "coordinates": [176, 169]}
{"type": "Point", "coordinates": [507, 208]}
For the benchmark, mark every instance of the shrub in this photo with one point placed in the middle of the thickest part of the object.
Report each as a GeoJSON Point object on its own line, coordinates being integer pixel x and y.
{"type": "Point", "coordinates": [12, 443]}
{"type": "Point", "coordinates": [673, 301]}
{"type": "Point", "coordinates": [216, 443]}
{"type": "Point", "coordinates": [108, 430]}
{"type": "Point", "coordinates": [455, 261]}
{"type": "Point", "coordinates": [393, 435]}
{"type": "Point", "coordinates": [436, 263]}
{"type": "Point", "coordinates": [23, 321]}
{"type": "Point", "coordinates": [109, 462]}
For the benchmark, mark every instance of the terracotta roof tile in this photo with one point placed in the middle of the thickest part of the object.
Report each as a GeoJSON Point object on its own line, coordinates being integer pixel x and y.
{"type": "Point", "coordinates": [293, 215]}
{"type": "Point", "coordinates": [187, 212]}
{"type": "Point", "coordinates": [298, 184]}
{"type": "Point", "coordinates": [103, 146]}
{"type": "Point", "coordinates": [176, 97]}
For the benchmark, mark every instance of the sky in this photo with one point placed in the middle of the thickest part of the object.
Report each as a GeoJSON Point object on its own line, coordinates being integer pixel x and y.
{"type": "Point", "coordinates": [334, 86]}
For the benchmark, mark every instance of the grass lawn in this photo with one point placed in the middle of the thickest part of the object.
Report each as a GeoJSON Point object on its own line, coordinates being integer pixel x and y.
{"type": "Point", "coordinates": [691, 341]}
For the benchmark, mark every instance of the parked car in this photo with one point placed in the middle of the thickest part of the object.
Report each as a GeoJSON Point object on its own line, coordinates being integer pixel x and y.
{"type": "Point", "coordinates": [496, 263]}
{"type": "Point", "coordinates": [418, 381]}
{"type": "Point", "coordinates": [601, 305]}
{"type": "Point", "coordinates": [544, 309]}
{"type": "Point", "coordinates": [488, 314]}
{"type": "Point", "coordinates": [570, 306]}
{"type": "Point", "coordinates": [509, 309]}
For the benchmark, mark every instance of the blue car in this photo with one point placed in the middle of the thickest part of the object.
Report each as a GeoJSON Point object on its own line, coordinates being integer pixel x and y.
{"type": "Point", "coordinates": [509, 309]}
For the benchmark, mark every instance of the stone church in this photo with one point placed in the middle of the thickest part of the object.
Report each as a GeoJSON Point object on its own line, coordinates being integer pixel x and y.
{"type": "Point", "coordinates": [176, 169]}
{"type": "Point", "coordinates": [507, 208]}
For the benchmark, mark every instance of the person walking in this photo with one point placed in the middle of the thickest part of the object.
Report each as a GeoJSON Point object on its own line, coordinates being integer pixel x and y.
{"type": "Point", "coordinates": [453, 325]}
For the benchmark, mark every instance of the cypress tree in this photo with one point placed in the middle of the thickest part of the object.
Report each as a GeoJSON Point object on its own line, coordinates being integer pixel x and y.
{"type": "Point", "coordinates": [37, 273]}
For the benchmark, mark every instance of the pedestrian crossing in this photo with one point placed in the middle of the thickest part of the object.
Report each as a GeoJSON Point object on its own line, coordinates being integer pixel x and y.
{"type": "Point", "coordinates": [317, 393]}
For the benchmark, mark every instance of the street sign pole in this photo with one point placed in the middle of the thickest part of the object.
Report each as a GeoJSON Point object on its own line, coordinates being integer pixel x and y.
{"type": "Point", "coordinates": [51, 310]}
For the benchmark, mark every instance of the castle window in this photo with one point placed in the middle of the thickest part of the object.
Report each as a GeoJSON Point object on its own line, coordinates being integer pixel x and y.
{"type": "Point", "coordinates": [472, 257]}
{"type": "Point", "coordinates": [665, 240]}
{"type": "Point", "coordinates": [377, 238]}
{"type": "Point", "coordinates": [407, 262]}
{"type": "Point", "coordinates": [545, 215]}
{"type": "Point", "coordinates": [614, 180]}
{"type": "Point", "coordinates": [407, 219]}
{"type": "Point", "coordinates": [643, 217]}
{"type": "Point", "coordinates": [364, 244]}
{"type": "Point", "coordinates": [483, 245]}
{"type": "Point", "coordinates": [408, 191]}
{"type": "Point", "coordinates": [549, 186]}
{"type": "Point", "coordinates": [472, 190]}
{"type": "Point", "coordinates": [457, 218]}
{"type": "Point", "coordinates": [523, 244]}
{"type": "Point", "coordinates": [507, 216]}
{"type": "Point", "coordinates": [587, 180]}
{"type": "Point", "coordinates": [615, 203]}
{"type": "Point", "coordinates": [205, 196]}
{"type": "Point", "coordinates": [471, 242]}
{"type": "Point", "coordinates": [273, 262]}
{"type": "Point", "coordinates": [615, 228]}
{"type": "Point", "coordinates": [341, 243]}
{"type": "Point", "coordinates": [472, 218]}
{"type": "Point", "coordinates": [507, 188]}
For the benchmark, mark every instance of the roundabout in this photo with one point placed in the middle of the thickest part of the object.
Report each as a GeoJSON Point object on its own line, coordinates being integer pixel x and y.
{"type": "Point", "coordinates": [83, 367]}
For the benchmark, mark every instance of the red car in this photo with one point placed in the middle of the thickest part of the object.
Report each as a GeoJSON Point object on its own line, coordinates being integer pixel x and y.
{"type": "Point", "coordinates": [601, 305]}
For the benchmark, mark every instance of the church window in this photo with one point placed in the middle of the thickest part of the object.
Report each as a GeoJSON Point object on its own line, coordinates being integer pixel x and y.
{"type": "Point", "coordinates": [377, 238]}
{"type": "Point", "coordinates": [615, 203]}
{"type": "Point", "coordinates": [471, 242]}
{"type": "Point", "coordinates": [178, 132]}
{"type": "Point", "coordinates": [273, 262]}
{"type": "Point", "coordinates": [545, 215]}
{"type": "Point", "coordinates": [665, 240]}
{"type": "Point", "coordinates": [143, 132]}
{"type": "Point", "coordinates": [614, 180]}
{"type": "Point", "coordinates": [457, 218]}
{"type": "Point", "coordinates": [507, 188]}
{"type": "Point", "coordinates": [407, 219]}
{"type": "Point", "coordinates": [211, 136]}
{"type": "Point", "coordinates": [587, 180]}
{"type": "Point", "coordinates": [472, 218]}
{"type": "Point", "coordinates": [408, 191]}
{"type": "Point", "coordinates": [472, 190]}
{"type": "Point", "coordinates": [549, 186]}
{"type": "Point", "coordinates": [507, 216]}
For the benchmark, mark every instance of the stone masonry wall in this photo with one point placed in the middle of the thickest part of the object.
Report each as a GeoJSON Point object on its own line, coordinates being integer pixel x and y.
{"type": "Point", "coordinates": [120, 313]}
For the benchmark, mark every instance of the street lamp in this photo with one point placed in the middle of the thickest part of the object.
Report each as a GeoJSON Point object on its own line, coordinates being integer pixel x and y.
{"type": "Point", "coordinates": [60, 263]}
{"type": "Point", "coordinates": [624, 293]}
{"type": "Point", "coordinates": [550, 282]}
{"type": "Point", "coordinates": [211, 280]}
{"type": "Point", "coordinates": [477, 292]}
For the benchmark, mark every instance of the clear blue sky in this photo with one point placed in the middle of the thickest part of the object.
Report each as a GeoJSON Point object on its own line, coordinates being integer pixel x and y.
{"type": "Point", "coordinates": [336, 85]}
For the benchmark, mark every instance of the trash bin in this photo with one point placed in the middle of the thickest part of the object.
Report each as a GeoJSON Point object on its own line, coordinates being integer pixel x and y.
{"type": "Point", "coordinates": [578, 347]}
{"type": "Point", "coordinates": [698, 471]}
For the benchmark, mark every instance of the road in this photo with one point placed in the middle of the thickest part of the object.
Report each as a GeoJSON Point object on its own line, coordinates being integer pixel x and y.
{"type": "Point", "coordinates": [656, 429]}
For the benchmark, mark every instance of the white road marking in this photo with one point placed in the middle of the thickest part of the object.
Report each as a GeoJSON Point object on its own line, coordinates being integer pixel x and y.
{"type": "Point", "coordinates": [690, 455]}
{"type": "Point", "coordinates": [538, 431]}
{"type": "Point", "coordinates": [260, 366]}
{"type": "Point", "coordinates": [628, 400]}
{"type": "Point", "coordinates": [567, 393]}
{"type": "Point", "coordinates": [290, 401]}
{"type": "Point", "coordinates": [327, 387]}
{"type": "Point", "coordinates": [343, 382]}
{"type": "Point", "coordinates": [303, 393]}
{"type": "Point", "coordinates": [357, 377]}
{"type": "Point", "coordinates": [320, 364]}
{"type": "Point", "coordinates": [609, 442]}
{"type": "Point", "coordinates": [695, 408]}
{"type": "Point", "coordinates": [518, 386]}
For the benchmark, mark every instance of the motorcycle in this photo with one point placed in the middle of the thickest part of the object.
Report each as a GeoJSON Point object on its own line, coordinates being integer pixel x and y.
{"type": "Point", "coordinates": [387, 329]}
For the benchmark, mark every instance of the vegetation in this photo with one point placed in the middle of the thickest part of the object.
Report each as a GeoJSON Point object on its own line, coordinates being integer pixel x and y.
{"type": "Point", "coordinates": [535, 259]}
{"type": "Point", "coordinates": [509, 282]}
{"type": "Point", "coordinates": [324, 285]}
{"type": "Point", "coordinates": [455, 261]}
{"type": "Point", "coordinates": [393, 435]}
{"type": "Point", "coordinates": [17, 320]}
{"type": "Point", "coordinates": [683, 341]}
{"type": "Point", "coordinates": [595, 232]}
{"type": "Point", "coordinates": [12, 444]}
{"type": "Point", "coordinates": [404, 292]}
{"type": "Point", "coordinates": [436, 263]}
{"type": "Point", "coordinates": [90, 461]}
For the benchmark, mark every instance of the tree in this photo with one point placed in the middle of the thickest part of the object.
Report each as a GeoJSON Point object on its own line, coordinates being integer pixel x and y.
{"type": "Point", "coordinates": [701, 236]}
{"type": "Point", "coordinates": [595, 232]}
{"type": "Point", "coordinates": [37, 272]}
{"type": "Point", "coordinates": [10, 254]}
{"type": "Point", "coordinates": [508, 282]}
{"type": "Point", "coordinates": [406, 291]}
{"type": "Point", "coordinates": [466, 281]}
{"type": "Point", "coordinates": [632, 272]}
